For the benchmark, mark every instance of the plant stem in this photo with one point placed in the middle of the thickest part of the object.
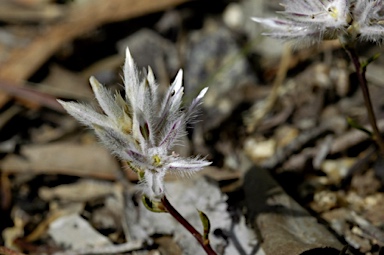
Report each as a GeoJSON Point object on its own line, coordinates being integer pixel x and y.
{"type": "Point", "coordinates": [206, 246]}
{"type": "Point", "coordinates": [367, 99]}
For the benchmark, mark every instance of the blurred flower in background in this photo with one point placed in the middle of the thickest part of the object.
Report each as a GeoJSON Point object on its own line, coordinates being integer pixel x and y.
{"type": "Point", "coordinates": [307, 22]}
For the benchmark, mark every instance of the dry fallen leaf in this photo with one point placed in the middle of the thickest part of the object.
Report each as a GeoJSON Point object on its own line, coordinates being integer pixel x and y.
{"type": "Point", "coordinates": [81, 191]}
{"type": "Point", "coordinates": [90, 160]}
{"type": "Point", "coordinates": [284, 226]}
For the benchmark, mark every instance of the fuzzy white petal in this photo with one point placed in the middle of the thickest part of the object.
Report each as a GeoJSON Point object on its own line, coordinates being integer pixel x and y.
{"type": "Point", "coordinates": [188, 164]}
{"type": "Point", "coordinates": [105, 99]}
{"type": "Point", "coordinates": [84, 114]}
{"type": "Point", "coordinates": [131, 79]}
{"type": "Point", "coordinates": [202, 93]}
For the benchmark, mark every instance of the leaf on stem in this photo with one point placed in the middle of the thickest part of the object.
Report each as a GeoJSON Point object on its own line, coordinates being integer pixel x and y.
{"type": "Point", "coordinates": [153, 206]}
{"type": "Point", "coordinates": [369, 60]}
{"type": "Point", "coordinates": [206, 226]}
{"type": "Point", "coordinates": [357, 126]}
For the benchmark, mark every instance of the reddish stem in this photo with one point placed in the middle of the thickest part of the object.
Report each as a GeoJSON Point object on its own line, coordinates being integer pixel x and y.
{"type": "Point", "coordinates": [367, 99]}
{"type": "Point", "coordinates": [206, 246]}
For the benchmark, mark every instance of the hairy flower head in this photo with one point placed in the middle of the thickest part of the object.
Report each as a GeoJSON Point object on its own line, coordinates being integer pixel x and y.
{"type": "Point", "coordinates": [307, 22]}
{"type": "Point", "coordinates": [142, 127]}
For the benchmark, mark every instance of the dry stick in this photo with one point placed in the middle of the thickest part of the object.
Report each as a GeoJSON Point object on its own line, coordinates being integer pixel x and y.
{"type": "Point", "coordinates": [257, 114]}
{"type": "Point", "coordinates": [80, 17]}
{"type": "Point", "coordinates": [367, 99]}
{"type": "Point", "coordinates": [205, 244]}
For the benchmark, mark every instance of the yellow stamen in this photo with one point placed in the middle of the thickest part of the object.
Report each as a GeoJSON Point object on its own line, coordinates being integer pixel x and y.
{"type": "Point", "coordinates": [333, 12]}
{"type": "Point", "coordinates": [156, 160]}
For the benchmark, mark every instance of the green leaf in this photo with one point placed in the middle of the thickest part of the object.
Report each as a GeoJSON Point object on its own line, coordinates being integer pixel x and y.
{"type": "Point", "coordinates": [357, 126]}
{"type": "Point", "coordinates": [206, 226]}
{"type": "Point", "coordinates": [153, 206]}
{"type": "Point", "coordinates": [369, 60]}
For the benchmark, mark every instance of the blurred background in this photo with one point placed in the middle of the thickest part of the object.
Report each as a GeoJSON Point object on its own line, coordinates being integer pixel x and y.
{"type": "Point", "coordinates": [274, 123]}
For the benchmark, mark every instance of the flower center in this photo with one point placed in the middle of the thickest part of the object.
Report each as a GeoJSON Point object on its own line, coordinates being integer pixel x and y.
{"type": "Point", "coordinates": [334, 12]}
{"type": "Point", "coordinates": [156, 160]}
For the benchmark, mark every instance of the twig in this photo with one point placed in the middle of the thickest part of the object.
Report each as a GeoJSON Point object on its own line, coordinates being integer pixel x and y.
{"type": "Point", "coordinates": [351, 138]}
{"type": "Point", "coordinates": [298, 143]}
{"type": "Point", "coordinates": [204, 243]}
{"type": "Point", "coordinates": [257, 114]}
{"type": "Point", "coordinates": [30, 95]}
{"type": "Point", "coordinates": [81, 16]}
{"type": "Point", "coordinates": [111, 249]}
{"type": "Point", "coordinates": [369, 230]}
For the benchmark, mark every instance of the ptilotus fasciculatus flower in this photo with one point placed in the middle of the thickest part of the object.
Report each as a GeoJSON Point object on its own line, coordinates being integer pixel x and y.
{"type": "Point", "coordinates": [307, 22]}
{"type": "Point", "coordinates": [142, 127]}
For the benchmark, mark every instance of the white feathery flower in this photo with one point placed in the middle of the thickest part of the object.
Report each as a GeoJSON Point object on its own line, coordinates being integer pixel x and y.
{"type": "Point", "coordinates": [369, 16]}
{"type": "Point", "coordinates": [142, 128]}
{"type": "Point", "coordinates": [307, 22]}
